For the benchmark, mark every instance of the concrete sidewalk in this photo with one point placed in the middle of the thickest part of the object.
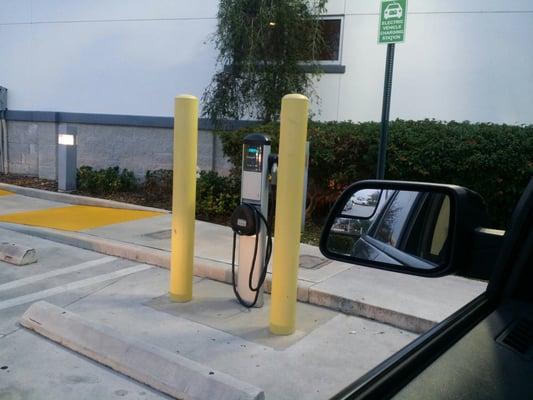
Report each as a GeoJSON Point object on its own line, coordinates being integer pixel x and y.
{"type": "Point", "coordinates": [328, 351]}
{"type": "Point", "coordinates": [403, 301]}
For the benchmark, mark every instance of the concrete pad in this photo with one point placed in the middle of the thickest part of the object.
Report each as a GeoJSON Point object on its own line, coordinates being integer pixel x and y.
{"type": "Point", "coordinates": [329, 357]}
{"type": "Point", "coordinates": [16, 254]}
{"type": "Point", "coordinates": [317, 366]}
{"type": "Point", "coordinates": [214, 305]}
{"type": "Point", "coordinates": [57, 266]}
{"type": "Point", "coordinates": [39, 369]}
{"type": "Point", "coordinates": [169, 373]}
{"type": "Point", "coordinates": [75, 218]}
{"type": "Point", "coordinates": [31, 297]}
{"type": "Point", "coordinates": [52, 274]}
{"type": "Point", "coordinates": [53, 256]}
{"type": "Point", "coordinates": [15, 203]}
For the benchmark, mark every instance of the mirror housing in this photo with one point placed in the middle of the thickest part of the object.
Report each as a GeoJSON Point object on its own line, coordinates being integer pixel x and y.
{"type": "Point", "coordinates": [458, 210]}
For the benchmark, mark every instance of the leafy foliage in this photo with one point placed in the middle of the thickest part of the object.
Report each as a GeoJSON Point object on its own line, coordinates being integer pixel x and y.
{"type": "Point", "coordinates": [105, 181]}
{"type": "Point", "coordinates": [216, 195]}
{"type": "Point", "coordinates": [158, 184]}
{"type": "Point", "coordinates": [494, 160]}
{"type": "Point", "coordinates": [262, 44]}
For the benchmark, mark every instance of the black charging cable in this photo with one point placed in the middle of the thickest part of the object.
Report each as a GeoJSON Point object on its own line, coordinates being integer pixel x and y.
{"type": "Point", "coordinates": [259, 218]}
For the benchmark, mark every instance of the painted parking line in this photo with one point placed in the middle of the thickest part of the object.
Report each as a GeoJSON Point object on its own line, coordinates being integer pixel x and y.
{"type": "Point", "coordinates": [76, 218]}
{"type": "Point", "coordinates": [67, 270]}
{"type": "Point", "coordinates": [16, 301]}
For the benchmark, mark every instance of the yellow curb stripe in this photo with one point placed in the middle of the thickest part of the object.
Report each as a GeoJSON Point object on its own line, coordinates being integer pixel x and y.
{"type": "Point", "coordinates": [76, 218]}
{"type": "Point", "coordinates": [5, 193]}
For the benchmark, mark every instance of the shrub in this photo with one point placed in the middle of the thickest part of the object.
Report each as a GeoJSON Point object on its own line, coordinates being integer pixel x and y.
{"type": "Point", "coordinates": [493, 160]}
{"type": "Point", "coordinates": [158, 184]}
{"type": "Point", "coordinates": [105, 181]}
{"type": "Point", "coordinates": [216, 195]}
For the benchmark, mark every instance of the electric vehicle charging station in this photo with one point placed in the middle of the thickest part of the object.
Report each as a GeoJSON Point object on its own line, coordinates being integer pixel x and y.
{"type": "Point", "coordinates": [249, 222]}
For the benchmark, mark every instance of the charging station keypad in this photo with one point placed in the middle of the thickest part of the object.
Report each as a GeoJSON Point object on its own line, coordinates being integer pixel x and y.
{"type": "Point", "coordinates": [253, 157]}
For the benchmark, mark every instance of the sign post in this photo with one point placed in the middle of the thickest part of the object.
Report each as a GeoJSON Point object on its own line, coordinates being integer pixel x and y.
{"type": "Point", "coordinates": [392, 18]}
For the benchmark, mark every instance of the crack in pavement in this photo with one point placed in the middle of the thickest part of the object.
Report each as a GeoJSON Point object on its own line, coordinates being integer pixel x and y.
{"type": "Point", "coordinates": [4, 335]}
{"type": "Point", "coordinates": [93, 292]}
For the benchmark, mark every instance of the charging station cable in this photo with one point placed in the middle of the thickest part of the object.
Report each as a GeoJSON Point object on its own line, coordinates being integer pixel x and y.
{"type": "Point", "coordinates": [246, 220]}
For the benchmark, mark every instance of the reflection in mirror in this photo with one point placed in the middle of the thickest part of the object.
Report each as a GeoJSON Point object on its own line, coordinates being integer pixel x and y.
{"type": "Point", "coordinates": [362, 204]}
{"type": "Point", "coordinates": [395, 227]}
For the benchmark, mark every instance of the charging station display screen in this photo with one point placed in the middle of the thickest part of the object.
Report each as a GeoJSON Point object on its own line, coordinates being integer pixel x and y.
{"type": "Point", "coordinates": [253, 157]}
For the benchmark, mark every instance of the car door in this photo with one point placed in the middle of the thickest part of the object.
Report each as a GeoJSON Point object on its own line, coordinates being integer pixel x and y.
{"type": "Point", "coordinates": [468, 354]}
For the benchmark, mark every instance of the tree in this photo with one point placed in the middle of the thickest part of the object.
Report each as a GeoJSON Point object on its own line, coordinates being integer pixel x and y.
{"type": "Point", "coordinates": [262, 46]}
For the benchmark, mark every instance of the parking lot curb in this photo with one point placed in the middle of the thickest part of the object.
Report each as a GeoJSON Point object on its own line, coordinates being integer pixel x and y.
{"type": "Point", "coordinates": [221, 271]}
{"type": "Point", "coordinates": [397, 319]}
{"type": "Point", "coordinates": [75, 199]}
{"type": "Point", "coordinates": [160, 369]}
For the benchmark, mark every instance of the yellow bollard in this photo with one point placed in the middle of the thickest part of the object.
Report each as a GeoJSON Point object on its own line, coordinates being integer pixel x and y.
{"type": "Point", "coordinates": [183, 197]}
{"type": "Point", "coordinates": [292, 144]}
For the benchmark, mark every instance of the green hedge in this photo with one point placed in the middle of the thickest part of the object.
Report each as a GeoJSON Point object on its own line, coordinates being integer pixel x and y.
{"type": "Point", "coordinates": [105, 181]}
{"type": "Point", "coordinates": [493, 160]}
{"type": "Point", "coordinates": [216, 195]}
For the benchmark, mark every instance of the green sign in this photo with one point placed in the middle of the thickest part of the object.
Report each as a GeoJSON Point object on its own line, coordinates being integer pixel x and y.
{"type": "Point", "coordinates": [392, 18]}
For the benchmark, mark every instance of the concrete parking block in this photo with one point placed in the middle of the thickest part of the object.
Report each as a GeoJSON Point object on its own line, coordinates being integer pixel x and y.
{"type": "Point", "coordinates": [17, 254]}
{"type": "Point", "coordinates": [167, 372]}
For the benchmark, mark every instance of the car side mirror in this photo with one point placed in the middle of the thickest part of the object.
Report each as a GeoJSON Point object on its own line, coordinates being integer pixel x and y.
{"type": "Point", "coordinates": [408, 227]}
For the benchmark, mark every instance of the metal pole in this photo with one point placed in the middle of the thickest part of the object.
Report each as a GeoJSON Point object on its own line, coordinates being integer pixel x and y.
{"type": "Point", "coordinates": [183, 197]}
{"type": "Point", "coordinates": [389, 64]}
{"type": "Point", "coordinates": [290, 188]}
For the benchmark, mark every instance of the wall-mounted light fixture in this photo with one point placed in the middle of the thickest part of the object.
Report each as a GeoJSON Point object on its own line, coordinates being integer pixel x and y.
{"type": "Point", "coordinates": [66, 158]}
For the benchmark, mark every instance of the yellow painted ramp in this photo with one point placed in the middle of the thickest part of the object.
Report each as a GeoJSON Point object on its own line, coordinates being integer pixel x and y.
{"type": "Point", "coordinates": [4, 193]}
{"type": "Point", "coordinates": [76, 218]}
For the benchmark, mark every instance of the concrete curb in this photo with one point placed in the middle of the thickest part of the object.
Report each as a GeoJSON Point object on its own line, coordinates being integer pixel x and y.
{"type": "Point", "coordinates": [221, 271]}
{"type": "Point", "coordinates": [160, 369]}
{"type": "Point", "coordinates": [75, 199]}
{"type": "Point", "coordinates": [353, 307]}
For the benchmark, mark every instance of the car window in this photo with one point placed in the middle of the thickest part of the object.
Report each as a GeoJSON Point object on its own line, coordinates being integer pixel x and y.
{"type": "Point", "coordinates": [440, 233]}
{"type": "Point", "coordinates": [427, 235]}
{"type": "Point", "coordinates": [393, 220]}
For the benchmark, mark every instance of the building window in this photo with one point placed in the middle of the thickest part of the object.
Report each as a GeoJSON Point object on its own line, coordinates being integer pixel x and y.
{"type": "Point", "coordinates": [331, 30]}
